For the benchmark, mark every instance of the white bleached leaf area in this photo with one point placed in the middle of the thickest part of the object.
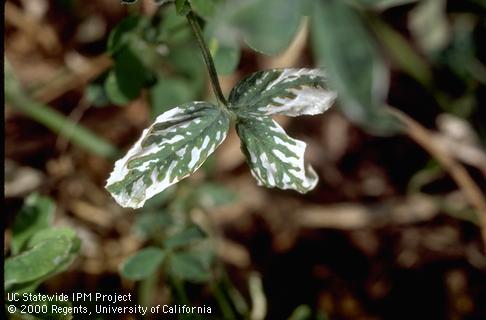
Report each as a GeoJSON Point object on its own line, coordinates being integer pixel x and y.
{"type": "Point", "coordinates": [173, 147]}
{"type": "Point", "coordinates": [275, 159]}
{"type": "Point", "coordinates": [181, 139]}
{"type": "Point", "coordinates": [291, 92]}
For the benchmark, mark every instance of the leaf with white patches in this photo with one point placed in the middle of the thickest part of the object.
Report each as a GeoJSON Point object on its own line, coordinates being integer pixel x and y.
{"type": "Point", "coordinates": [275, 159]}
{"type": "Point", "coordinates": [172, 148]}
{"type": "Point", "coordinates": [291, 92]}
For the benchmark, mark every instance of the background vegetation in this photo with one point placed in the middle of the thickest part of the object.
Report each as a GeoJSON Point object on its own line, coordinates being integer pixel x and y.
{"type": "Point", "coordinates": [395, 229]}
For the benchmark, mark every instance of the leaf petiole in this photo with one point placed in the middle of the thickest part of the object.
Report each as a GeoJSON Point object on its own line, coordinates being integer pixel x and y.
{"type": "Point", "coordinates": [208, 60]}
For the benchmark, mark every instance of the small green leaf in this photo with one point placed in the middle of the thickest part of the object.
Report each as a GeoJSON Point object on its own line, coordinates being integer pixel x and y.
{"type": "Point", "coordinates": [188, 266]}
{"type": "Point", "coordinates": [172, 148]}
{"type": "Point", "coordinates": [290, 92]}
{"type": "Point", "coordinates": [113, 91]}
{"type": "Point", "coordinates": [275, 159]}
{"type": "Point", "coordinates": [143, 263]}
{"type": "Point", "coordinates": [43, 259]}
{"type": "Point", "coordinates": [185, 237]}
{"type": "Point", "coordinates": [127, 79]}
{"type": "Point", "coordinates": [36, 214]}
{"type": "Point", "coordinates": [123, 32]}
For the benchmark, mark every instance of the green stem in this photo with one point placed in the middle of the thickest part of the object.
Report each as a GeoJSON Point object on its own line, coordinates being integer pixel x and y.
{"type": "Point", "coordinates": [147, 289]}
{"type": "Point", "coordinates": [180, 293]}
{"type": "Point", "coordinates": [213, 75]}
{"type": "Point", "coordinates": [59, 123]}
{"type": "Point", "coordinates": [223, 302]}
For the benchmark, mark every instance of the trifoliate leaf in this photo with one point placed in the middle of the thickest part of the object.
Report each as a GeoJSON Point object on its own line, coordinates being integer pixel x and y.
{"type": "Point", "coordinates": [275, 159]}
{"type": "Point", "coordinates": [291, 92]}
{"type": "Point", "coordinates": [172, 148]}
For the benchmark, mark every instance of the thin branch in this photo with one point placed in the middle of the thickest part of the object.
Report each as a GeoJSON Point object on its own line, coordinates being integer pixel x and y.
{"type": "Point", "coordinates": [213, 75]}
{"type": "Point", "coordinates": [424, 138]}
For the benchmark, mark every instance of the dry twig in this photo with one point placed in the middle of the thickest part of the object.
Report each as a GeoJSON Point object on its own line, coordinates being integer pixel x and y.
{"type": "Point", "coordinates": [423, 137]}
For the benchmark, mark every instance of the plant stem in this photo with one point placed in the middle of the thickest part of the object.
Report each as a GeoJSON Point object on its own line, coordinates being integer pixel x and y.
{"type": "Point", "coordinates": [213, 75]}
{"type": "Point", "coordinates": [58, 123]}
{"type": "Point", "coordinates": [223, 302]}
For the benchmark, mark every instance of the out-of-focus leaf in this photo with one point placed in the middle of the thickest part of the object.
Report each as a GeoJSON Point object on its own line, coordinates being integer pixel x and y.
{"type": "Point", "coordinates": [225, 58]}
{"type": "Point", "coordinates": [127, 79]}
{"type": "Point", "coordinates": [342, 42]}
{"type": "Point", "coordinates": [36, 214]}
{"type": "Point", "coordinates": [169, 92]}
{"type": "Point", "coordinates": [189, 63]}
{"type": "Point", "coordinates": [302, 312]}
{"type": "Point", "coordinates": [173, 147]}
{"type": "Point", "coordinates": [188, 266]}
{"type": "Point", "coordinates": [185, 237]}
{"type": "Point", "coordinates": [403, 54]}
{"type": "Point", "coordinates": [143, 263]}
{"type": "Point", "coordinates": [152, 224]}
{"type": "Point", "coordinates": [267, 26]}
{"type": "Point", "coordinates": [429, 25]}
{"type": "Point", "coordinates": [161, 199]}
{"type": "Point", "coordinates": [460, 56]}
{"type": "Point", "coordinates": [45, 258]}
{"type": "Point", "coordinates": [46, 234]}
{"type": "Point", "coordinates": [122, 33]}
{"type": "Point", "coordinates": [113, 91]}
{"type": "Point", "coordinates": [182, 7]}
{"type": "Point", "coordinates": [212, 195]}
{"type": "Point", "coordinates": [96, 96]}
{"type": "Point", "coordinates": [173, 27]}
{"type": "Point", "coordinates": [205, 8]}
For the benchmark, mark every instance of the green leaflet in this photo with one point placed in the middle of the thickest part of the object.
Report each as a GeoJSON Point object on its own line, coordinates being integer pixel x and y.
{"type": "Point", "coordinates": [275, 159]}
{"type": "Point", "coordinates": [267, 26]}
{"type": "Point", "coordinates": [45, 258]}
{"type": "Point", "coordinates": [290, 92]}
{"type": "Point", "coordinates": [341, 40]}
{"type": "Point", "coordinates": [172, 148]}
{"type": "Point", "coordinates": [143, 263]}
{"type": "Point", "coordinates": [36, 214]}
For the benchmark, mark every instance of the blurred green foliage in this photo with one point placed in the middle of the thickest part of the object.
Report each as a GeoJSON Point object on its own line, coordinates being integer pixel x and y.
{"type": "Point", "coordinates": [39, 252]}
